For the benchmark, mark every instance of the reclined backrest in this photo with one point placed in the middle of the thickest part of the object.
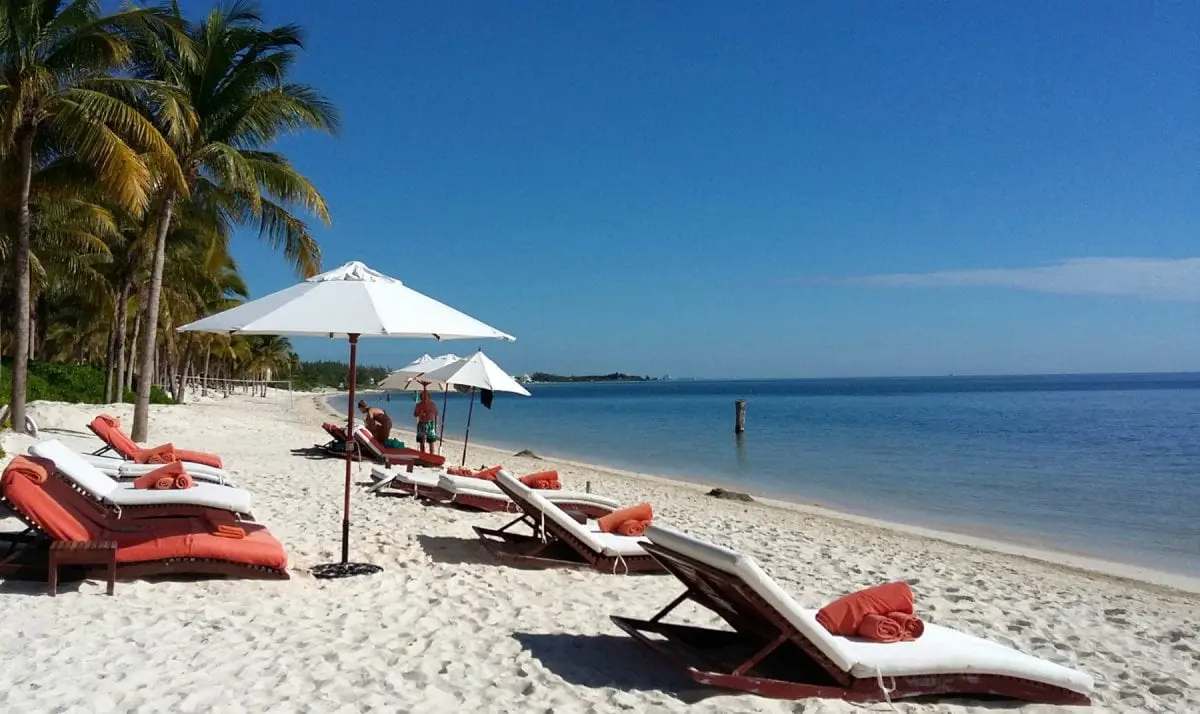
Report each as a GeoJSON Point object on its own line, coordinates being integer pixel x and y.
{"type": "Point", "coordinates": [108, 428]}
{"type": "Point", "coordinates": [743, 567]}
{"type": "Point", "coordinates": [54, 508]}
{"type": "Point", "coordinates": [551, 511]}
{"type": "Point", "coordinates": [75, 468]}
{"type": "Point", "coordinates": [367, 440]}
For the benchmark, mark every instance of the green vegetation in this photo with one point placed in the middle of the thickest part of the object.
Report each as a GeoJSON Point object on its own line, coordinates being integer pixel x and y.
{"type": "Point", "coordinates": [614, 377]}
{"type": "Point", "coordinates": [133, 146]}
{"type": "Point", "coordinates": [314, 375]}
{"type": "Point", "coordinates": [80, 383]}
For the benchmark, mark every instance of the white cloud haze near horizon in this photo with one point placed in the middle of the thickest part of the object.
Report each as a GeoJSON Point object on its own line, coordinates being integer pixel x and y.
{"type": "Point", "coordinates": [1152, 278]}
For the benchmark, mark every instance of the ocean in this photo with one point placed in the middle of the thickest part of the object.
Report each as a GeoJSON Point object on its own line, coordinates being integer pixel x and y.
{"type": "Point", "coordinates": [1099, 465]}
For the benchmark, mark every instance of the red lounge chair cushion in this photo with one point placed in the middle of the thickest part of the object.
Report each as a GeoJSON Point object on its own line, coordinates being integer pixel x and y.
{"type": "Point", "coordinates": [108, 428]}
{"type": "Point", "coordinates": [66, 515]}
{"type": "Point", "coordinates": [63, 521]}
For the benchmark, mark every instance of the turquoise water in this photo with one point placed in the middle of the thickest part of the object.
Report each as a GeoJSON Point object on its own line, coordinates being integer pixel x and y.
{"type": "Point", "coordinates": [1104, 465]}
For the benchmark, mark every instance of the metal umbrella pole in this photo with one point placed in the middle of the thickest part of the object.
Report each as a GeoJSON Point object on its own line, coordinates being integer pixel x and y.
{"type": "Point", "coordinates": [467, 436]}
{"type": "Point", "coordinates": [346, 568]}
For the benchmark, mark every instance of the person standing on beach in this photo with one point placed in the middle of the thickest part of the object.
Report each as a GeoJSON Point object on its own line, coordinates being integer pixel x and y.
{"type": "Point", "coordinates": [426, 414]}
{"type": "Point", "coordinates": [377, 422]}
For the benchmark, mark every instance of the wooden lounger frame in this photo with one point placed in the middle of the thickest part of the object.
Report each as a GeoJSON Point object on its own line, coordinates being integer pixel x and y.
{"type": "Point", "coordinates": [29, 553]}
{"type": "Point", "coordinates": [500, 504]}
{"type": "Point", "coordinates": [381, 456]}
{"type": "Point", "coordinates": [766, 655]}
{"type": "Point", "coordinates": [551, 545]}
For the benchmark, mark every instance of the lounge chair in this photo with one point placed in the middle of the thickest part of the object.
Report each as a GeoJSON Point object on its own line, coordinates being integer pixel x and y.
{"type": "Point", "coordinates": [486, 496]}
{"type": "Point", "coordinates": [56, 512]}
{"type": "Point", "coordinates": [370, 447]}
{"type": "Point", "coordinates": [777, 649]}
{"type": "Point", "coordinates": [123, 470]}
{"type": "Point", "coordinates": [423, 484]}
{"type": "Point", "coordinates": [108, 429]}
{"type": "Point", "coordinates": [560, 539]}
{"type": "Point", "coordinates": [140, 503]}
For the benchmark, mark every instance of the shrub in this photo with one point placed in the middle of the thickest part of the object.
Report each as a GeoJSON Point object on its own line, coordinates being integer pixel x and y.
{"type": "Point", "coordinates": [76, 383]}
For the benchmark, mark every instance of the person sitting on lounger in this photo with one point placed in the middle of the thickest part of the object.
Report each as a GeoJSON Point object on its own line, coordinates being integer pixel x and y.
{"type": "Point", "coordinates": [377, 421]}
{"type": "Point", "coordinates": [426, 415]}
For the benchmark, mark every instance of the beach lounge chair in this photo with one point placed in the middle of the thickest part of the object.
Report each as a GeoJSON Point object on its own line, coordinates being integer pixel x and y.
{"type": "Point", "coordinates": [777, 649]}
{"type": "Point", "coordinates": [370, 447]}
{"type": "Point", "coordinates": [559, 538]}
{"type": "Point", "coordinates": [123, 470]}
{"type": "Point", "coordinates": [486, 496]}
{"type": "Point", "coordinates": [423, 484]}
{"type": "Point", "coordinates": [161, 546]}
{"type": "Point", "coordinates": [108, 429]}
{"type": "Point", "coordinates": [135, 502]}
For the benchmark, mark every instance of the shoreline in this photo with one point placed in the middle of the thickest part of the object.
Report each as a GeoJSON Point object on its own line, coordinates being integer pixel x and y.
{"type": "Point", "coordinates": [1079, 562]}
{"type": "Point", "coordinates": [445, 626]}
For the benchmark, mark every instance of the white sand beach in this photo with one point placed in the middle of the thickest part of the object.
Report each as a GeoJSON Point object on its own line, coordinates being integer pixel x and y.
{"type": "Point", "coordinates": [445, 628]}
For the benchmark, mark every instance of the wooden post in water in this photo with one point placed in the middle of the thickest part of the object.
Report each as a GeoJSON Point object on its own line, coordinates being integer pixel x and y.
{"type": "Point", "coordinates": [739, 416]}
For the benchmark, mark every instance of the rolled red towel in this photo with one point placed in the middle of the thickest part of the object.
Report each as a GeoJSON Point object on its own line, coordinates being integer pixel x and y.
{"type": "Point", "coordinates": [642, 512]}
{"type": "Point", "coordinates": [912, 625]}
{"type": "Point", "coordinates": [633, 528]}
{"type": "Point", "coordinates": [163, 454]}
{"type": "Point", "coordinates": [844, 615]}
{"type": "Point", "coordinates": [228, 531]}
{"type": "Point", "coordinates": [33, 468]}
{"type": "Point", "coordinates": [880, 628]}
{"type": "Point", "coordinates": [488, 474]}
{"type": "Point", "coordinates": [541, 479]}
{"type": "Point", "coordinates": [182, 481]}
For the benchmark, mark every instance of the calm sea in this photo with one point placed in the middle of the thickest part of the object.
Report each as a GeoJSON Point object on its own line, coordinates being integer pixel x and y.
{"type": "Point", "coordinates": [1104, 465]}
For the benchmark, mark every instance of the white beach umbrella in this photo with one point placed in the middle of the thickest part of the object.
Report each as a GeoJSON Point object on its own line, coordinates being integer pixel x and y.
{"type": "Point", "coordinates": [409, 379]}
{"type": "Point", "coordinates": [411, 374]}
{"type": "Point", "coordinates": [351, 301]}
{"type": "Point", "coordinates": [476, 372]}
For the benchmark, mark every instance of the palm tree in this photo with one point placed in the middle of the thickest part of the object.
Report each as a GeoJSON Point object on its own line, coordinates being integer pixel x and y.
{"type": "Point", "coordinates": [236, 89]}
{"type": "Point", "coordinates": [60, 82]}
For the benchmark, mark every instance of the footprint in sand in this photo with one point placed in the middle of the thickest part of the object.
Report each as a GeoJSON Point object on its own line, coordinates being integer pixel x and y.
{"type": "Point", "coordinates": [1162, 689]}
{"type": "Point", "coordinates": [960, 598]}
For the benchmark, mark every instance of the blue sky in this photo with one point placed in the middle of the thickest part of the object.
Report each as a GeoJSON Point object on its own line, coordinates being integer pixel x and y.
{"type": "Point", "coordinates": [768, 189]}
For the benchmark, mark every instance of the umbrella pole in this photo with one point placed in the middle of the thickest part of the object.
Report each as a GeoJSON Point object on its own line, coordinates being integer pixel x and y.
{"type": "Point", "coordinates": [467, 436]}
{"type": "Point", "coordinates": [349, 455]}
{"type": "Point", "coordinates": [442, 426]}
{"type": "Point", "coordinates": [345, 568]}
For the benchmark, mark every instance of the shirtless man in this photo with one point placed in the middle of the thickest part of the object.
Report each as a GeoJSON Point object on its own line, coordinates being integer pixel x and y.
{"type": "Point", "coordinates": [377, 422]}
{"type": "Point", "coordinates": [426, 415]}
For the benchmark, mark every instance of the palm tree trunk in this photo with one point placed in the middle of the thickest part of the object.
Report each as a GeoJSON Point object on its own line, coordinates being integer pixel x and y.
{"type": "Point", "coordinates": [110, 363]}
{"type": "Point", "coordinates": [204, 379]}
{"type": "Point", "coordinates": [122, 327]}
{"type": "Point", "coordinates": [20, 363]}
{"type": "Point", "coordinates": [141, 408]}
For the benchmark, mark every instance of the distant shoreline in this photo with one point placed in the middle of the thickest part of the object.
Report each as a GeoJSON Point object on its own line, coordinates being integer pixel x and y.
{"type": "Point", "coordinates": [982, 539]}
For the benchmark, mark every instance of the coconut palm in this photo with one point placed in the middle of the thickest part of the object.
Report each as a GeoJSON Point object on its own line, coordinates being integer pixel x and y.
{"type": "Point", "coordinates": [61, 85]}
{"type": "Point", "coordinates": [238, 92]}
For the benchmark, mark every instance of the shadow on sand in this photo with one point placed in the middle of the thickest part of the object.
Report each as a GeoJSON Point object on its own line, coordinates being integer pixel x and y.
{"type": "Point", "coordinates": [611, 661]}
{"type": "Point", "coordinates": [456, 551]}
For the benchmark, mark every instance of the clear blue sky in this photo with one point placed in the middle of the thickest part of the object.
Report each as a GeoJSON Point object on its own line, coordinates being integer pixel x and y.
{"type": "Point", "coordinates": [768, 189]}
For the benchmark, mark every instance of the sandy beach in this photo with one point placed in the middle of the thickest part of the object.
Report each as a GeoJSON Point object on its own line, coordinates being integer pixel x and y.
{"type": "Point", "coordinates": [446, 628]}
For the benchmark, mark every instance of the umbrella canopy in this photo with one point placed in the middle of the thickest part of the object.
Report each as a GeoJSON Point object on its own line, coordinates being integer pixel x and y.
{"type": "Point", "coordinates": [411, 377]}
{"type": "Point", "coordinates": [476, 371]}
{"type": "Point", "coordinates": [352, 301]}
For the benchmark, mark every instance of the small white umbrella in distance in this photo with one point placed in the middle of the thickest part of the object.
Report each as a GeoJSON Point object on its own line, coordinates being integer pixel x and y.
{"type": "Point", "coordinates": [409, 379]}
{"type": "Point", "coordinates": [413, 372]}
{"type": "Point", "coordinates": [352, 301]}
{"type": "Point", "coordinates": [476, 372]}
